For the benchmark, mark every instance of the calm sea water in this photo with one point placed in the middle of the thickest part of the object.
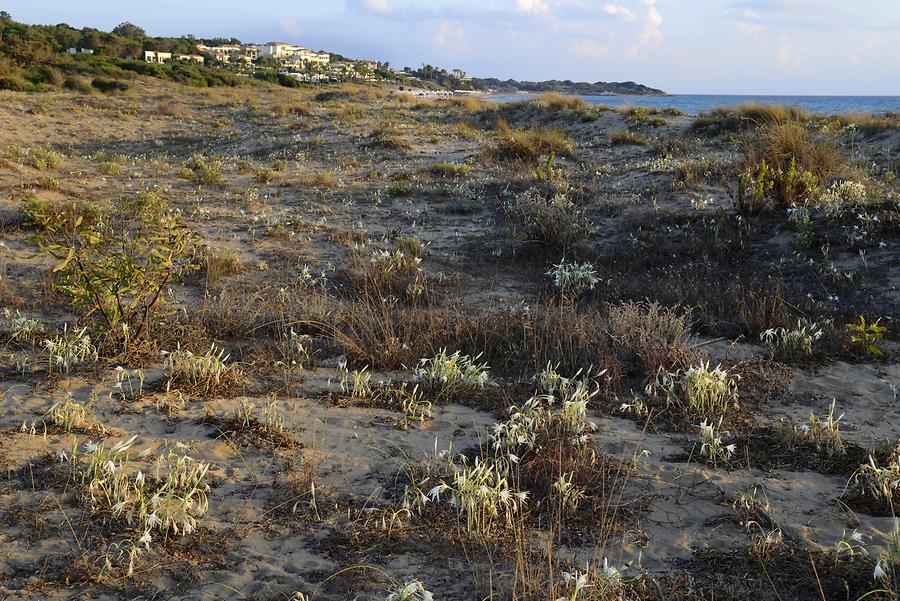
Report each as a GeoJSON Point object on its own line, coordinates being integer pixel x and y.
{"type": "Point", "coordinates": [693, 104]}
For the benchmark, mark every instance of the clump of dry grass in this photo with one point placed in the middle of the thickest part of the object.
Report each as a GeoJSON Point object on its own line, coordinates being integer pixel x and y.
{"type": "Point", "coordinates": [747, 116]}
{"type": "Point", "coordinates": [469, 104]}
{"type": "Point", "coordinates": [627, 137]}
{"type": "Point", "coordinates": [786, 164]}
{"type": "Point", "coordinates": [556, 221]}
{"type": "Point", "coordinates": [385, 136]}
{"type": "Point", "coordinates": [555, 101]}
{"type": "Point", "coordinates": [296, 109]}
{"type": "Point", "coordinates": [781, 143]}
{"type": "Point", "coordinates": [220, 263]}
{"type": "Point", "coordinates": [527, 144]}
{"type": "Point", "coordinates": [658, 336]}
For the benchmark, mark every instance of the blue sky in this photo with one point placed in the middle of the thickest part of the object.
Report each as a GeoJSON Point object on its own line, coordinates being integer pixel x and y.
{"type": "Point", "coordinates": [681, 46]}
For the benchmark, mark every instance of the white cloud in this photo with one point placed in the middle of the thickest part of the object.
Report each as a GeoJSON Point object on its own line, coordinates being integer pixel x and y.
{"type": "Point", "coordinates": [652, 31]}
{"type": "Point", "coordinates": [751, 28]}
{"type": "Point", "coordinates": [618, 10]}
{"type": "Point", "coordinates": [589, 49]}
{"type": "Point", "coordinates": [379, 7]}
{"type": "Point", "coordinates": [450, 35]}
{"type": "Point", "coordinates": [532, 7]}
{"type": "Point", "coordinates": [785, 56]}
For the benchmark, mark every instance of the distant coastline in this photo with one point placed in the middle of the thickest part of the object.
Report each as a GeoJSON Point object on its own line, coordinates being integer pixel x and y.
{"type": "Point", "coordinates": [600, 88]}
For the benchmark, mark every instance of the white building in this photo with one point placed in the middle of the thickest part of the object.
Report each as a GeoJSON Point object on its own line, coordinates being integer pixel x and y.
{"type": "Point", "coordinates": [81, 50]}
{"type": "Point", "coordinates": [152, 56]}
{"type": "Point", "coordinates": [231, 53]}
{"type": "Point", "coordinates": [291, 53]}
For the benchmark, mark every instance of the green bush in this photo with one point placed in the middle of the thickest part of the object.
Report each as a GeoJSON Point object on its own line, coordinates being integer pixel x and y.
{"type": "Point", "coordinates": [109, 85]}
{"type": "Point", "coordinates": [15, 83]}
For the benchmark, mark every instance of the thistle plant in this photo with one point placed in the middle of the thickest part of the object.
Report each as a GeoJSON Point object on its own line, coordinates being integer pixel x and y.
{"type": "Point", "coordinates": [699, 390]}
{"type": "Point", "coordinates": [824, 433]}
{"type": "Point", "coordinates": [793, 343]}
{"type": "Point", "coordinates": [68, 349]}
{"type": "Point", "coordinates": [206, 371]}
{"type": "Point", "coordinates": [573, 278]}
{"type": "Point", "coordinates": [412, 590]}
{"type": "Point", "coordinates": [448, 373]}
{"type": "Point", "coordinates": [712, 445]}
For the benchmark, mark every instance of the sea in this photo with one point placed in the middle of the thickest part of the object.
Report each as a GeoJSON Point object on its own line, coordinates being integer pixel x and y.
{"type": "Point", "coordinates": [694, 104]}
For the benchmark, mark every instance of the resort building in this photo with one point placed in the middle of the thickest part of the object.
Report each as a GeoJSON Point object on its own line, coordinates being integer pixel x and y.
{"type": "Point", "coordinates": [152, 56]}
{"type": "Point", "coordinates": [231, 53]}
{"type": "Point", "coordinates": [293, 55]}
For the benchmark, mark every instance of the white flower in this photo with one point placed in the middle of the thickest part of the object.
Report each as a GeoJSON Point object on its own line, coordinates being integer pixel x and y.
{"type": "Point", "coordinates": [61, 456]}
{"type": "Point", "coordinates": [118, 507]}
{"type": "Point", "coordinates": [153, 520]}
{"type": "Point", "coordinates": [139, 478]}
{"type": "Point", "coordinates": [879, 574]}
{"type": "Point", "coordinates": [145, 539]}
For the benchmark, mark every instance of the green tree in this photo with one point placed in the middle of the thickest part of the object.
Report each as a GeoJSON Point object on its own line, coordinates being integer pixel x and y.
{"type": "Point", "coordinates": [129, 30]}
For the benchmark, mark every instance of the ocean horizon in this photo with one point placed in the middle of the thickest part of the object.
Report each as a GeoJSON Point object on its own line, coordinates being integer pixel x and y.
{"type": "Point", "coordinates": [694, 104]}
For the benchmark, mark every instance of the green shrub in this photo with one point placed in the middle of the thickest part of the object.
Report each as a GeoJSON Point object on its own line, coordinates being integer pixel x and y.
{"type": "Point", "coordinates": [58, 216]}
{"type": "Point", "coordinates": [120, 271]}
{"type": "Point", "coordinates": [202, 170]}
{"type": "Point", "coordinates": [15, 83]}
{"type": "Point", "coordinates": [109, 85]}
{"type": "Point", "coordinates": [399, 188]}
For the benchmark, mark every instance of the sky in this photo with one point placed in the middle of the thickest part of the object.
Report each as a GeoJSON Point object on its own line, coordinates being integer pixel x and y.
{"type": "Point", "coordinates": [792, 47]}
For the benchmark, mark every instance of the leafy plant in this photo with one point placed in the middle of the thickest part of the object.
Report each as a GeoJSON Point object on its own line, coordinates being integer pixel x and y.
{"type": "Point", "coordinates": [121, 274]}
{"type": "Point", "coordinates": [202, 170]}
{"type": "Point", "coordinates": [868, 335]}
{"type": "Point", "coordinates": [483, 495]}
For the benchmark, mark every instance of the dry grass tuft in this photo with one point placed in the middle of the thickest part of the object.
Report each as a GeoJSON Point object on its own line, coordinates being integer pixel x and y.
{"type": "Point", "coordinates": [555, 101]}
{"type": "Point", "coordinates": [527, 144]}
